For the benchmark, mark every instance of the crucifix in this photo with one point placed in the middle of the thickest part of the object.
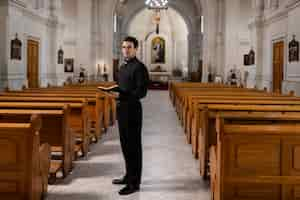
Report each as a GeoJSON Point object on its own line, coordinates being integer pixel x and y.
{"type": "Point", "coordinates": [157, 6]}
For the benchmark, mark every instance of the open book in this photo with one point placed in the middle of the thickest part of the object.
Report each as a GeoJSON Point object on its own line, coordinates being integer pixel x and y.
{"type": "Point", "coordinates": [108, 88]}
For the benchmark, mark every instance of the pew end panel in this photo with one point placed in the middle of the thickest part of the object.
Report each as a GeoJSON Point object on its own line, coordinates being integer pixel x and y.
{"type": "Point", "coordinates": [256, 161]}
{"type": "Point", "coordinates": [21, 176]}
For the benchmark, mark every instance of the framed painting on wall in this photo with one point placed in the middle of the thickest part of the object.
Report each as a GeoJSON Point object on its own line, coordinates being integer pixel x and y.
{"type": "Point", "coordinates": [60, 56]}
{"type": "Point", "coordinates": [158, 50]}
{"type": "Point", "coordinates": [293, 50]}
{"type": "Point", "coordinates": [69, 65]}
{"type": "Point", "coordinates": [251, 57]}
{"type": "Point", "coordinates": [16, 49]}
{"type": "Point", "coordinates": [246, 59]}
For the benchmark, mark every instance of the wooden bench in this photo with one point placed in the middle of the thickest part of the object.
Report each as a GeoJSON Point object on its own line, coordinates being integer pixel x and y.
{"type": "Point", "coordinates": [192, 120]}
{"type": "Point", "coordinates": [110, 110]}
{"type": "Point", "coordinates": [206, 135]}
{"type": "Point", "coordinates": [256, 161]}
{"type": "Point", "coordinates": [187, 101]}
{"type": "Point", "coordinates": [78, 117]}
{"type": "Point", "coordinates": [24, 161]}
{"type": "Point", "coordinates": [182, 100]}
{"type": "Point", "coordinates": [175, 86]}
{"type": "Point", "coordinates": [55, 131]}
{"type": "Point", "coordinates": [109, 102]}
{"type": "Point", "coordinates": [105, 105]}
{"type": "Point", "coordinates": [95, 117]}
{"type": "Point", "coordinates": [187, 111]}
{"type": "Point", "coordinates": [227, 98]}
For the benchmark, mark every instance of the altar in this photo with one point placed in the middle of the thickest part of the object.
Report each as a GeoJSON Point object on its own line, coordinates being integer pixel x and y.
{"type": "Point", "coordinates": [160, 76]}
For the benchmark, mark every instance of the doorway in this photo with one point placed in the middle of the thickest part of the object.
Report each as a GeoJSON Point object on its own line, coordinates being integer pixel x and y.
{"type": "Point", "coordinates": [278, 62]}
{"type": "Point", "coordinates": [33, 64]}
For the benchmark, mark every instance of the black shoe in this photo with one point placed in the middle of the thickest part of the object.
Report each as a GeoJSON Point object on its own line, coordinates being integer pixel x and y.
{"type": "Point", "coordinates": [121, 181]}
{"type": "Point", "coordinates": [129, 189]}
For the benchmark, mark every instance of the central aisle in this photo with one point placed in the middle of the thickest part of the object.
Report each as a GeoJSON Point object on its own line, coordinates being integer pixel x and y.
{"type": "Point", "coordinates": [169, 173]}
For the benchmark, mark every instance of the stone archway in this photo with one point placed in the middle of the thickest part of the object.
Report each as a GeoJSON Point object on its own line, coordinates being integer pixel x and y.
{"type": "Point", "coordinates": [189, 12]}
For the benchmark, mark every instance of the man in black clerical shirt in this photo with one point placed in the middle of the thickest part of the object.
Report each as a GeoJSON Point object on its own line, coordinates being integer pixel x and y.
{"type": "Point", "coordinates": [133, 81]}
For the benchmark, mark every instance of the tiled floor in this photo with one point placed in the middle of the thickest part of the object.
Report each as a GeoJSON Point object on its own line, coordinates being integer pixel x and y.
{"type": "Point", "coordinates": [169, 173]}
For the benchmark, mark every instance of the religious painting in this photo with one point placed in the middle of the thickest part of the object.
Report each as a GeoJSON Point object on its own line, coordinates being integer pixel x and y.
{"type": "Point", "coordinates": [251, 57]}
{"type": "Point", "coordinates": [60, 56]}
{"type": "Point", "coordinates": [246, 59]}
{"type": "Point", "coordinates": [16, 49]}
{"type": "Point", "coordinates": [158, 50]}
{"type": "Point", "coordinates": [69, 65]}
{"type": "Point", "coordinates": [293, 50]}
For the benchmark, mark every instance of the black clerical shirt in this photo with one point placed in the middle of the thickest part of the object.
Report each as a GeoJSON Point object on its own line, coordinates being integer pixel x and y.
{"type": "Point", "coordinates": [133, 80]}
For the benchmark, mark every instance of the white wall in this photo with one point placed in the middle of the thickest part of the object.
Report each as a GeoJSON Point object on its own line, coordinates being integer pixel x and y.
{"type": "Point", "coordinates": [30, 24]}
{"type": "Point", "coordinates": [3, 38]}
{"type": "Point", "coordinates": [280, 23]}
{"type": "Point", "coordinates": [292, 72]}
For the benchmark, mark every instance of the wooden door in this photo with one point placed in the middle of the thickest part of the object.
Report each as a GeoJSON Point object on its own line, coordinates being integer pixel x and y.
{"type": "Point", "coordinates": [278, 61]}
{"type": "Point", "coordinates": [33, 64]}
{"type": "Point", "coordinates": [115, 69]}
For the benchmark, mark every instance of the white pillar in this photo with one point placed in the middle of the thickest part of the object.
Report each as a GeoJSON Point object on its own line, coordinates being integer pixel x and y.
{"type": "Point", "coordinates": [259, 31]}
{"type": "Point", "coordinates": [84, 37]}
{"type": "Point", "coordinates": [4, 45]}
{"type": "Point", "coordinates": [220, 64]}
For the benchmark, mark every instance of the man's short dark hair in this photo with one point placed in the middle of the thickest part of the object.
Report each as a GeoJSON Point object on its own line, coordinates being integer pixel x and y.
{"type": "Point", "coordinates": [133, 40]}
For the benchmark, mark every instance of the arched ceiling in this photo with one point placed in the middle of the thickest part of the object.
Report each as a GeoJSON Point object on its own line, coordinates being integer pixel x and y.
{"type": "Point", "coordinates": [188, 9]}
{"type": "Point", "coordinates": [171, 22]}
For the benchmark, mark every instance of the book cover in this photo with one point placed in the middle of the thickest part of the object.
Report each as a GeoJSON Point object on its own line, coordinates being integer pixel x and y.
{"type": "Point", "coordinates": [108, 88]}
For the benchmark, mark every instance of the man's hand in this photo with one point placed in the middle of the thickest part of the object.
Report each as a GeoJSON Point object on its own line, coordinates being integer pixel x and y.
{"type": "Point", "coordinates": [113, 94]}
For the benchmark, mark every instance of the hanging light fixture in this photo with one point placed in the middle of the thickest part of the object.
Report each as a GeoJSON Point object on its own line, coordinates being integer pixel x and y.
{"type": "Point", "coordinates": [157, 6]}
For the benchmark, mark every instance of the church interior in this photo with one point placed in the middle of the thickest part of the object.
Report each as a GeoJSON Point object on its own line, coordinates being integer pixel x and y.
{"type": "Point", "coordinates": [221, 119]}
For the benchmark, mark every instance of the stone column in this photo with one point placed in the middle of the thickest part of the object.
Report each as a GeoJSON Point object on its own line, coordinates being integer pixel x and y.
{"type": "Point", "coordinates": [4, 44]}
{"type": "Point", "coordinates": [95, 37]}
{"type": "Point", "coordinates": [84, 37]}
{"type": "Point", "coordinates": [258, 43]}
{"type": "Point", "coordinates": [54, 72]}
{"type": "Point", "coordinates": [194, 51]}
{"type": "Point", "coordinates": [220, 64]}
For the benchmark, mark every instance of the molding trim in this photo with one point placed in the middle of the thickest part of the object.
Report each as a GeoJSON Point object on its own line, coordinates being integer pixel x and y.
{"type": "Point", "coordinates": [293, 4]}
{"type": "Point", "coordinates": [18, 3]}
{"type": "Point", "coordinates": [70, 42]}
{"type": "Point", "coordinates": [35, 16]}
{"type": "Point", "coordinates": [276, 17]}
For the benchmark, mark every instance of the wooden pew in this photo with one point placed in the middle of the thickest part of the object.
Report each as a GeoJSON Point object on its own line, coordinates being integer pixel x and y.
{"type": "Point", "coordinates": [24, 161]}
{"type": "Point", "coordinates": [104, 104]}
{"type": "Point", "coordinates": [95, 116]}
{"type": "Point", "coordinates": [183, 97]}
{"type": "Point", "coordinates": [78, 118]}
{"type": "Point", "coordinates": [229, 98]}
{"type": "Point", "coordinates": [187, 111]}
{"type": "Point", "coordinates": [188, 100]}
{"type": "Point", "coordinates": [206, 135]}
{"type": "Point", "coordinates": [55, 131]}
{"type": "Point", "coordinates": [175, 86]}
{"type": "Point", "coordinates": [192, 120]}
{"type": "Point", "coordinates": [256, 161]}
{"type": "Point", "coordinates": [109, 109]}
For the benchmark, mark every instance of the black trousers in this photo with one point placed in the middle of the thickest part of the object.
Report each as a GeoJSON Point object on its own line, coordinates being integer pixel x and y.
{"type": "Point", "coordinates": [129, 114]}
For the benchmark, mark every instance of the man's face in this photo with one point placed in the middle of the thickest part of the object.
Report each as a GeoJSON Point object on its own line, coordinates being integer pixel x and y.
{"type": "Point", "coordinates": [128, 49]}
